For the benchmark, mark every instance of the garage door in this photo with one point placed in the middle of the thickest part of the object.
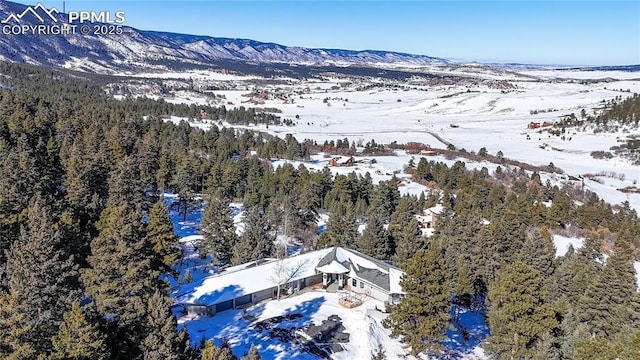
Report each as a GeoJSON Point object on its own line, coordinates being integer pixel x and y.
{"type": "Point", "coordinates": [224, 306]}
{"type": "Point", "coordinates": [243, 300]}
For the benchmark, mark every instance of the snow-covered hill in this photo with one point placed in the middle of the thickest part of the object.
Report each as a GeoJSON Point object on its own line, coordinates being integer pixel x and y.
{"type": "Point", "coordinates": [147, 49]}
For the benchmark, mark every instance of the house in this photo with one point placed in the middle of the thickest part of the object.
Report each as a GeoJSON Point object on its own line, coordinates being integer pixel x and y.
{"type": "Point", "coordinates": [342, 161]}
{"type": "Point", "coordinates": [429, 217]}
{"type": "Point", "coordinates": [575, 181]}
{"type": "Point", "coordinates": [335, 267]}
{"type": "Point", "coordinates": [429, 152]}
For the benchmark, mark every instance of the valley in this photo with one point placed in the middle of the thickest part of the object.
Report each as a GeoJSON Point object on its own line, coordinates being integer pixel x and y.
{"type": "Point", "coordinates": [176, 190]}
{"type": "Point", "coordinates": [480, 110]}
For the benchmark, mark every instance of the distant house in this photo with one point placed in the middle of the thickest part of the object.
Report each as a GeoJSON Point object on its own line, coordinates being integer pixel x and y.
{"type": "Point", "coordinates": [256, 281]}
{"type": "Point", "coordinates": [429, 152]}
{"type": "Point", "coordinates": [429, 217]}
{"type": "Point", "coordinates": [158, 89]}
{"type": "Point", "coordinates": [341, 161]}
{"type": "Point", "coordinates": [575, 181]}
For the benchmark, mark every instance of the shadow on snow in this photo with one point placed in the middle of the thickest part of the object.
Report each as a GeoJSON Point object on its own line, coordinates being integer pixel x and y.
{"type": "Point", "coordinates": [468, 332]}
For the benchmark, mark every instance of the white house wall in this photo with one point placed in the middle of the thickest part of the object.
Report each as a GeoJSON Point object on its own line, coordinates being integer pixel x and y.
{"type": "Point", "coordinates": [368, 290]}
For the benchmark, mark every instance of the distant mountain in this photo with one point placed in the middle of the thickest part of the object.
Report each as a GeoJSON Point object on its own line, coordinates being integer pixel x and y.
{"type": "Point", "coordinates": [136, 49]}
{"type": "Point", "coordinates": [628, 68]}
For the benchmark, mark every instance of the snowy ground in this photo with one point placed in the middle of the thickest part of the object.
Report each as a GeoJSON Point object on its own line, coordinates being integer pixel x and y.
{"type": "Point", "coordinates": [363, 323]}
{"type": "Point", "coordinates": [562, 244]}
{"type": "Point", "coordinates": [483, 115]}
{"type": "Point", "coordinates": [366, 331]}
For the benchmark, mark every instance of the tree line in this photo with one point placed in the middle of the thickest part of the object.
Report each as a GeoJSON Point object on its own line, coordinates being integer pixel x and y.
{"type": "Point", "coordinates": [84, 237]}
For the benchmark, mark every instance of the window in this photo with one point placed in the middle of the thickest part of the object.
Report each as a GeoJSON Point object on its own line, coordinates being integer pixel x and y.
{"type": "Point", "coordinates": [395, 299]}
{"type": "Point", "coordinates": [361, 285]}
{"type": "Point", "coordinates": [354, 282]}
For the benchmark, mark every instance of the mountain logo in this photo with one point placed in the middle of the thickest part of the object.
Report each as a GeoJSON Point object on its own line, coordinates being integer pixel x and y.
{"type": "Point", "coordinates": [38, 11]}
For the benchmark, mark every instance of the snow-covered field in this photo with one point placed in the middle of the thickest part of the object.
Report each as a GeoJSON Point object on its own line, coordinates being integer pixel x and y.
{"type": "Point", "coordinates": [470, 115]}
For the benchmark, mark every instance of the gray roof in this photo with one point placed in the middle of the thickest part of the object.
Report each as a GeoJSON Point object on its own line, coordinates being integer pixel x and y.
{"type": "Point", "coordinates": [370, 275]}
{"type": "Point", "coordinates": [375, 277]}
{"type": "Point", "coordinates": [327, 259]}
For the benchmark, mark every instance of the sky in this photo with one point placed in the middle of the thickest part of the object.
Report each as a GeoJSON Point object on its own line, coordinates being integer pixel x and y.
{"type": "Point", "coordinates": [532, 32]}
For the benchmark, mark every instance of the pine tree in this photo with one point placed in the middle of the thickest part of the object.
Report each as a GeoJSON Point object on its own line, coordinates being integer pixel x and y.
{"type": "Point", "coordinates": [463, 289]}
{"type": "Point", "coordinates": [85, 181]}
{"type": "Point", "coordinates": [408, 242]}
{"type": "Point", "coordinates": [218, 231]}
{"type": "Point", "coordinates": [583, 271]}
{"type": "Point", "coordinates": [209, 351]}
{"type": "Point", "coordinates": [628, 346]}
{"type": "Point", "coordinates": [375, 240]}
{"type": "Point", "coordinates": [185, 180]}
{"type": "Point", "coordinates": [42, 274]}
{"type": "Point", "coordinates": [622, 262]}
{"type": "Point", "coordinates": [148, 155]}
{"type": "Point", "coordinates": [561, 210]}
{"type": "Point", "coordinates": [591, 248]}
{"type": "Point", "coordinates": [508, 233]}
{"type": "Point", "coordinates": [79, 336]}
{"type": "Point", "coordinates": [120, 278]}
{"type": "Point", "coordinates": [162, 238]}
{"type": "Point", "coordinates": [539, 251]}
{"type": "Point", "coordinates": [594, 348]}
{"type": "Point", "coordinates": [125, 186]}
{"type": "Point", "coordinates": [422, 315]}
{"type": "Point", "coordinates": [15, 330]}
{"type": "Point", "coordinates": [519, 315]}
{"type": "Point", "coordinates": [603, 302]}
{"type": "Point", "coordinates": [402, 215]}
{"type": "Point", "coordinates": [547, 348]}
{"type": "Point", "coordinates": [163, 174]}
{"type": "Point", "coordinates": [120, 267]}
{"type": "Point", "coordinates": [253, 354]}
{"type": "Point", "coordinates": [342, 229]}
{"type": "Point", "coordinates": [563, 276]}
{"type": "Point", "coordinates": [385, 198]}
{"type": "Point", "coordinates": [162, 341]}
{"type": "Point", "coordinates": [256, 242]}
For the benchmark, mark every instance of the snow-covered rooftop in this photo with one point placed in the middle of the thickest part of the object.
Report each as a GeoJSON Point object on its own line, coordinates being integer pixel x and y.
{"type": "Point", "coordinates": [359, 265]}
{"type": "Point", "coordinates": [263, 274]}
{"type": "Point", "coordinates": [438, 209]}
{"type": "Point", "coordinates": [250, 279]}
{"type": "Point", "coordinates": [334, 268]}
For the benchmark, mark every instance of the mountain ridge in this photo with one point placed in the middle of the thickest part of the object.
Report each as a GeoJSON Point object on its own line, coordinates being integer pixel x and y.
{"type": "Point", "coordinates": [136, 48]}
